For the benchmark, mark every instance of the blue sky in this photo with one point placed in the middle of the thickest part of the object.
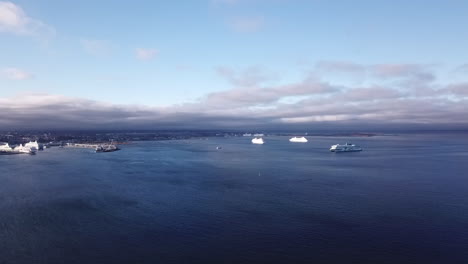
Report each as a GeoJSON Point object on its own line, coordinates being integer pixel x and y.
{"type": "Point", "coordinates": [176, 56]}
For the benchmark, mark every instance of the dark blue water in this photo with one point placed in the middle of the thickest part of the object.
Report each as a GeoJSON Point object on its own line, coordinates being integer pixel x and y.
{"type": "Point", "coordinates": [402, 200]}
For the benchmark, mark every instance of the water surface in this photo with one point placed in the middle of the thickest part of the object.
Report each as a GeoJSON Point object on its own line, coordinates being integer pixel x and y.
{"type": "Point", "coordinates": [402, 200]}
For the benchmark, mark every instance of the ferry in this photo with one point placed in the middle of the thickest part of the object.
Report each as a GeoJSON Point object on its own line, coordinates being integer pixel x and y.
{"type": "Point", "coordinates": [347, 147]}
{"type": "Point", "coordinates": [258, 141]}
{"type": "Point", "coordinates": [298, 139]}
{"type": "Point", "coordinates": [25, 149]}
{"type": "Point", "coordinates": [107, 148]}
{"type": "Point", "coordinates": [5, 149]}
{"type": "Point", "coordinates": [34, 145]}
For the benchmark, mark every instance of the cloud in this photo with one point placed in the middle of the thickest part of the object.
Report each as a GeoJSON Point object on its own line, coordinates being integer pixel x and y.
{"type": "Point", "coordinates": [339, 66]}
{"type": "Point", "coordinates": [146, 54]}
{"type": "Point", "coordinates": [247, 24]}
{"type": "Point", "coordinates": [378, 71]}
{"type": "Point", "coordinates": [370, 94]}
{"type": "Point", "coordinates": [62, 112]}
{"type": "Point", "coordinates": [97, 47]}
{"type": "Point", "coordinates": [253, 102]}
{"type": "Point", "coordinates": [462, 69]}
{"type": "Point", "coordinates": [460, 89]}
{"type": "Point", "coordinates": [415, 71]}
{"type": "Point", "coordinates": [252, 76]}
{"type": "Point", "coordinates": [14, 20]}
{"type": "Point", "coordinates": [246, 97]}
{"type": "Point", "coordinates": [16, 74]}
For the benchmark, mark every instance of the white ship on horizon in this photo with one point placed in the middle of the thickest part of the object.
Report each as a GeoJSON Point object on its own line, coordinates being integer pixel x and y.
{"type": "Point", "coordinates": [347, 147]}
{"type": "Point", "coordinates": [257, 141]}
{"type": "Point", "coordinates": [33, 145]}
{"type": "Point", "coordinates": [298, 139]}
{"type": "Point", "coordinates": [6, 149]}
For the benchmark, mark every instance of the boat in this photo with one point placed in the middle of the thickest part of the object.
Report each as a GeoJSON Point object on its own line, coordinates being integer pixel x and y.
{"type": "Point", "coordinates": [34, 145]}
{"type": "Point", "coordinates": [347, 147]}
{"type": "Point", "coordinates": [5, 149]}
{"type": "Point", "coordinates": [107, 148]}
{"type": "Point", "coordinates": [23, 149]}
{"type": "Point", "coordinates": [218, 147]}
{"type": "Point", "coordinates": [257, 141]}
{"type": "Point", "coordinates": [298, 139]}
{"type": "Point", "coordinates": [247, 135]}
{"type": "Point", "coordinates": [258, 135]}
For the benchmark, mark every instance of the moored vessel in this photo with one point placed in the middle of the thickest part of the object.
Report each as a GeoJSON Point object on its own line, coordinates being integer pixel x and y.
{"type": "Point", "coordinates": [298, 139]}
{"type": "Point", "coordinates": [107, 148]}
{"type": "Point", "coordinates": [5, 149]}
{"type": "Point", "coordinates": [257, 141]}
{"type": "Point", "coordinates": [347, 147]}
{"type": "Point", "coordinates": [34, 145]}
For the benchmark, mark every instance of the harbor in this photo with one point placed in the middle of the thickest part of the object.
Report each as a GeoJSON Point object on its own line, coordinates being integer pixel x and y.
{"type": "Point", "coordinates": [32, 148]}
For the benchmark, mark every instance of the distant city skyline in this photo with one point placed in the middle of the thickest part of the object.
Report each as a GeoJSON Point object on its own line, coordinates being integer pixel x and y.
{"type": "Point", "coordinates": [233, 64]}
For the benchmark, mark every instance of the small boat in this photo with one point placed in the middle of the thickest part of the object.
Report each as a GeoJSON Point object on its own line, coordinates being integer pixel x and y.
{"type": "Point", "coordinates": [298, 139]}
{"type": "Point", "coordinates": [257, 141]}
{"type": "Point", "coordinates": [347, 147]}
{"type": "Point", "coordinates": [258, 135]}
{"type": "Point", "coordinates": [107, 148]}
{"type": "Point", "coordinates": [218, 147]}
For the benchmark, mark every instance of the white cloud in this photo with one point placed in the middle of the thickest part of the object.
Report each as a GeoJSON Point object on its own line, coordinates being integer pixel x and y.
{"type": "Point", "coordinates": [463, 69]}
{"type": "Point", "coordinates": [16, 74]}
{"type": "Point", "coordinates": [96, 47]}
{"type": "Point", "coordinates": [263, 104]}
{"type": "Point", "coordinates": [146, 54]}
{"type": "Point", "coordinates": [14, 20]}
{"type": "Point", "coordinates": [409, 72]}
{"type": "Point", "coordinates": [247, 24]}
{"type": "Point", "coordinates": [252, 76]}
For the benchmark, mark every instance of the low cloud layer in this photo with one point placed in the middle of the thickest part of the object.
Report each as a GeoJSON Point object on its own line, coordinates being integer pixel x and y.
{"type": "Point", "coordinates": [406, 95]}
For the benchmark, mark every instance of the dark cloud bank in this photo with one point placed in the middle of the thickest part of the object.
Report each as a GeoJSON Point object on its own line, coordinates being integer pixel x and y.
{"type": "Point", "coordinates": [392, 96]}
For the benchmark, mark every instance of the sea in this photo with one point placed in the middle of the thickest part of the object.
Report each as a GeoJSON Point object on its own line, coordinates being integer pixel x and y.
{"type": "Point", "coordinates": [403, 199]}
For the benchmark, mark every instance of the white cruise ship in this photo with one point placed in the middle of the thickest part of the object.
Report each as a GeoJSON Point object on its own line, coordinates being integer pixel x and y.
{"type": "Point", "coordinates": [25, 150]}
{"type": "Point", "coordinates": [5, 149]}
{"type": "Point", "coordinates": [298, 139]}
{"type": "Point", "coordinates": [33, 145]}
{"type": "Point", "coordinates": [345, 148]}
{"type": "Point", "coordinates": [257, 141]}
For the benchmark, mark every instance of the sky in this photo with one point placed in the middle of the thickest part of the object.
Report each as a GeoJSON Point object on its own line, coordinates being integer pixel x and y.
{"type": "Point", "coordinates": [233, 64]}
